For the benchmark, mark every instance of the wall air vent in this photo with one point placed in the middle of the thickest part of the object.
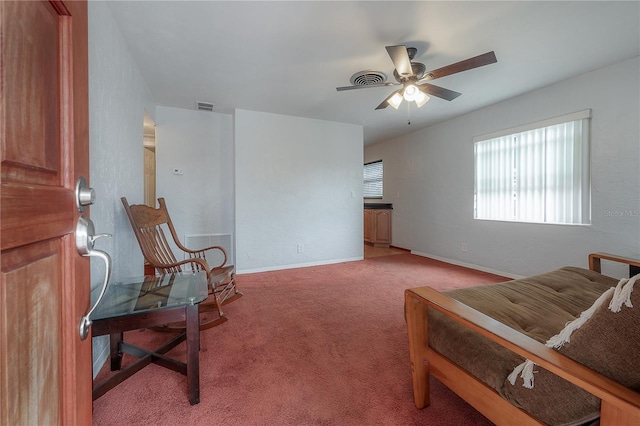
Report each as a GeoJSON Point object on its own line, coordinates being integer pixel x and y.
{"type": "Point", "coordinates": [204, 106]}
{"type": "Point", "coordinates": [366, 78]}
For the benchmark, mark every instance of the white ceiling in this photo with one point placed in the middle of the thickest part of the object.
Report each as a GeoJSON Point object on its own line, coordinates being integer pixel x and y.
{"type": "Point", "coordinates": [288, 57]}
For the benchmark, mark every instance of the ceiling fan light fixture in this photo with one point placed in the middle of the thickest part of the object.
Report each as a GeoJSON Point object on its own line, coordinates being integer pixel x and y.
{"type": "Point", "coordinates": [421, 98]}
{"type": "Point", "coordinates": [395, 100]}
{"type": "Point", "coordinates": [410, 92]}
{"type": "Point", "coordinates": [412, 77]}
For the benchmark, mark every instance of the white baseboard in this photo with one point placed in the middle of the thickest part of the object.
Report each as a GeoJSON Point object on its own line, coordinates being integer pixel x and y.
{"type": "Point", "coordinates": [468, 265]}
{"type": "Point", "coordinates": [352, 259]}
{"type": "Point", "coordinates": [297, 265]}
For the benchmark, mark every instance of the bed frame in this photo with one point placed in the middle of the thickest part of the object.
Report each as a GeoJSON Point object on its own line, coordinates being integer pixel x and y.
{"type": "Point", "coordinates": [620, 405]}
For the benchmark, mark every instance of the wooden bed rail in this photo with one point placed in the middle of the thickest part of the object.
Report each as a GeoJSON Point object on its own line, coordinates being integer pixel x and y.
{"type": "Point", "coordinates": [620, 405]}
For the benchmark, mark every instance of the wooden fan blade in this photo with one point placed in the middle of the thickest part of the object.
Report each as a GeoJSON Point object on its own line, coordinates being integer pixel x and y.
{"type": "Point", "coordinates": [467, 64]}
{"type": "Point", "coordinates": [385, 103]}
{"type": "Point", "coordinates": [400, 59]}
{"type": "Point", "coordinates": [438, 91]}
{"type": "Point", "coordinates": [366, 86]}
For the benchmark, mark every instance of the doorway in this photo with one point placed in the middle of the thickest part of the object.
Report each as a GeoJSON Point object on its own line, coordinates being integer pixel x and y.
{"type": "Point", "coordinates": [149, 146]}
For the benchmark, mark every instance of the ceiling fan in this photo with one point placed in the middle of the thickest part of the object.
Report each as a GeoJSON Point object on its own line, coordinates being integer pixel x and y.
{"type": "Point", "coordinates": [413, 78]}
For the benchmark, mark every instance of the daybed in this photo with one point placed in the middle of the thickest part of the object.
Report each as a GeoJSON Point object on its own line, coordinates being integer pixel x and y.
{"type": "Point", "coordinates": [473, 339]}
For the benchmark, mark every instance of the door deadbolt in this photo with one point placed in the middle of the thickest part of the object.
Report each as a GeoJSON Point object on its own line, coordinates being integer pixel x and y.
{"type": "Point", "coordinates": [85, 195]}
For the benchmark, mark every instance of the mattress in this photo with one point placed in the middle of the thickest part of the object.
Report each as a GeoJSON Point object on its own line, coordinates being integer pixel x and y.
{"type": "Point", "coordinates": [538, 306]}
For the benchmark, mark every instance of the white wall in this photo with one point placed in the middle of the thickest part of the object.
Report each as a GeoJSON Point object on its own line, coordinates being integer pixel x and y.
{"type": "Point", "coordinates": [428, 176]}
{"type": "Point", "coordinates": [200, 143]}
{"type": "Point", "coordinates": [298, 181]}
{"type": "Point", "coordinates": [118, 96]}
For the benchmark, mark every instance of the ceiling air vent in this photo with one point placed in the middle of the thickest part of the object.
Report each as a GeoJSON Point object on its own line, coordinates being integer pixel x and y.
{"type": "Point", "coordinates": [204, 106]}
{"type": "Point", "coordinates": [367, 78]}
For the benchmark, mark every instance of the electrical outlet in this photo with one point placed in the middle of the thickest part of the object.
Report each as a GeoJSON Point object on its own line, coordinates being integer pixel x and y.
{"type": "Point", "coordinates": [300, 248]}
{"type": "Point", "coordinates": [463, 247]}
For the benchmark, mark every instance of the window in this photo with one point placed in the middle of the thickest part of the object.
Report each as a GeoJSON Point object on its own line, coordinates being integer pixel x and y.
{"type": "Point", "coordinates": [373, 180]}
{"type": "Point", "coordinates": [535, 173]}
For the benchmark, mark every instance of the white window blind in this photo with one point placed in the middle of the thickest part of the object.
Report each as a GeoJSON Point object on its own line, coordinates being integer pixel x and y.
{"type": "Point", "coordinates": [373, 180]}
{"type": "Point", "coordinates": [539, 173]}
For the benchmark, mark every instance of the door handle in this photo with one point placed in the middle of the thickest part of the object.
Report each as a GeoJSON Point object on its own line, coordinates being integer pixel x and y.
{"type": "Point", "coordinates": [85, 239]}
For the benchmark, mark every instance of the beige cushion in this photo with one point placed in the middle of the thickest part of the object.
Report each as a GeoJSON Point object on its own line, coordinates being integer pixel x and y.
{"type": "Point", "coordinates": [609, 342]}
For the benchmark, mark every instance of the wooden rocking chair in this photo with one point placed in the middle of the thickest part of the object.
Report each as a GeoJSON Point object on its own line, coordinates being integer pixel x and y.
{"type": "Point", "coordinates": [149, 226]}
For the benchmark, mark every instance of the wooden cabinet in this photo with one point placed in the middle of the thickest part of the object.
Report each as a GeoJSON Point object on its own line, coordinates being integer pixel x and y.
{"type": "Point", "coordinates": [381, 220]}
{"type": "Point", "coordinates": [377, 227]}
{"type": "Point", "coordinates": [367, 225]}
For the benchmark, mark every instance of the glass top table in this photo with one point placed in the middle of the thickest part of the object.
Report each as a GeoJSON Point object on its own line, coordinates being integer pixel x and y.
{"type": "Point", "coordinates": [151, 293]}
{"type": "Point", "coordinates": [152, 301]}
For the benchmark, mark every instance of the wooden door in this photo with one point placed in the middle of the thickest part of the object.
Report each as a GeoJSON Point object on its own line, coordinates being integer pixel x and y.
{"type": "Point", "coordinates": [45, 369]}
{"type": "Point", "coordinates": [150, 177]}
